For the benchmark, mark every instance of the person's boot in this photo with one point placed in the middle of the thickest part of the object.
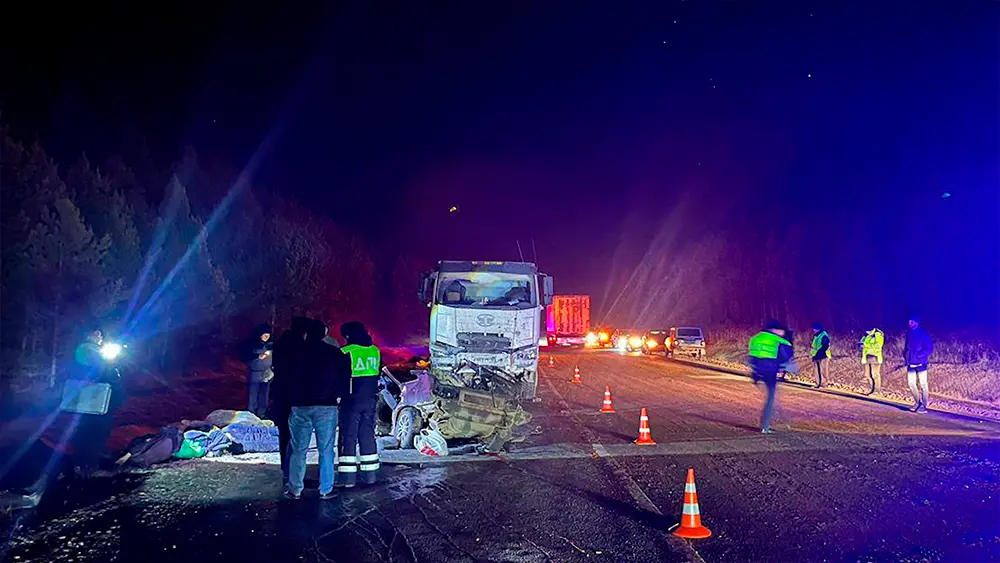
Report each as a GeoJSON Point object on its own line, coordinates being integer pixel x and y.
{"type": "Point", "coordinates": [346, 480]}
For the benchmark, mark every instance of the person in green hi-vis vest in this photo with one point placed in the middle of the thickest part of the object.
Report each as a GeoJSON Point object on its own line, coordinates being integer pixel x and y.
{"type": "Point", "coordinates": [358, 448]}
{"type": "Point", "coordinates": [769, 353]}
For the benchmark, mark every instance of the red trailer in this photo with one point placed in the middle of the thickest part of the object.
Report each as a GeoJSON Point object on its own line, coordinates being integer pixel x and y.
{"type": "Point", "coordinates": [567, 320]}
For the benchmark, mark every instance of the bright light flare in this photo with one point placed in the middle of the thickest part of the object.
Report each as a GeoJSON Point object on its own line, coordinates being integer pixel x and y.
{"type": "Point", "coordinates": [111, 351]}
{"type": "Point", "coordinates": [635, 341]}
{"type": "Point", "coordinates": [591, 339]}
{"type": "Point", "coordinates": [604, 337]}
{"type": "Point", "coordinates": [652, 344]}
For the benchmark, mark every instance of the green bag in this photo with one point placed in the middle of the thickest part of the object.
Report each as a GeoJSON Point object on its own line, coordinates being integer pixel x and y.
{"type": "Point", "coordinates": [189, 450]}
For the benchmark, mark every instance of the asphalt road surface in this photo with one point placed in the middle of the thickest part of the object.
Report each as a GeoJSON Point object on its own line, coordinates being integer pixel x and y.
{"type": "Point", "coordinates": [841, 480]}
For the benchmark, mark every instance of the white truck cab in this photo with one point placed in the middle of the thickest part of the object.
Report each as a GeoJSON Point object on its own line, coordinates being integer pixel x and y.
{"type": "Point", "coordinates": [486, 315]}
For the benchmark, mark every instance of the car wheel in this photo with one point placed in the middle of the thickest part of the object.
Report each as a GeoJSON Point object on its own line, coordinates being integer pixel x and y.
{"type": "Point", "coordinates": [408, 424]}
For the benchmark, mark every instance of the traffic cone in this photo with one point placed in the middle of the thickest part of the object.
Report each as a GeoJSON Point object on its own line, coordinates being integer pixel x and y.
{"type": "Point", "coordinates": [576, 375]}
{"type": "Point", "coordinates": [644, 439]}
{"type": "Point", "coordinates": [552, 361]}
{"type": "Point", "coordinates": [607, 400]}
{"type": "Point", "coordinates": [691, 527]}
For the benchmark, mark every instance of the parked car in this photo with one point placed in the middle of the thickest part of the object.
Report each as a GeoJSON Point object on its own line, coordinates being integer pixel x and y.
{"type": "Point", "coordinates": [686, 341]}
{"type": "Point", "coordinates": [655, 341]}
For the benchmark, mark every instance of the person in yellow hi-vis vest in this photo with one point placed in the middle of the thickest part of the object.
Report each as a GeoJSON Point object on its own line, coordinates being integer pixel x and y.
{"type": "Point", "coordinates": [871, 357]}
{"type": "Point", "coordinates": [358, 448]}
{"type": "Point", "coordinates": [820, 353]}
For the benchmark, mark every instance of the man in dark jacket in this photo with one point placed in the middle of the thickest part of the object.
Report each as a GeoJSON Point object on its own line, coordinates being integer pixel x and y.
{"type": "Point", "coordinates": [916, 354]}
{"type": "Point", "coordinates": [769, 353]}
{"type": "Point", "coordinates": [92, 430]}
{"type": "Point", "coordinates": [318, 382]}
{"type": "Point", "coordinates": [259, 374]}
{"type": "Point", "coordinates": [358, 448]}
{"type": "Point", "coordinates": [820, 352]}
{"type": "Point", "coordinates": [286, 353]}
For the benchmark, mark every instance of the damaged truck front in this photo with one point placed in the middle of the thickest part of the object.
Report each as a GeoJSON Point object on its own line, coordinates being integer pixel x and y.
{"type": "Point", "coordinates": [484, 331]}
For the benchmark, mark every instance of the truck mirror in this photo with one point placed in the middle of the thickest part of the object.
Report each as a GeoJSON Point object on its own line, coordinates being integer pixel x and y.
{"type": "Point", "coordinates": [426, 289]}
{"type": "Point", "coordinates": [547, 291]}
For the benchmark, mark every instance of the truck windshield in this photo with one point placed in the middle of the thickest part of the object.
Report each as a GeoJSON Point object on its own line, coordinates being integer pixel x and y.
{"type": "Point", "coordinates": [486, 289]}
{"type": "Point", "coordinates": [689, 332]}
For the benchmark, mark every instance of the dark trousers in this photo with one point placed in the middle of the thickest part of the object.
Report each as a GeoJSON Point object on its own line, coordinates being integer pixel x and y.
{"type": "Point", "coordinates": [279, 415]}
{"type": "Point", "coordinates": [822, 368]}
{"type": "Point", "coordinates": [358, 448]}
{"type": "Point", "coordinates": [92, 433]}
{"type": "Point", "coordinates": [257, 402]}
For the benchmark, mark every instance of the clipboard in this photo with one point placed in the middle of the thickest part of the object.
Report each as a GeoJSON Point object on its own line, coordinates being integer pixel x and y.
{"type": "Point", "coordinates": [84, 397]}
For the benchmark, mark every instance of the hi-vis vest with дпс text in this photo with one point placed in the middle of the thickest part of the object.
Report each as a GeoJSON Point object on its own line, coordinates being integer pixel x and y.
{"type": "Point", "coordinates": [365, 360]}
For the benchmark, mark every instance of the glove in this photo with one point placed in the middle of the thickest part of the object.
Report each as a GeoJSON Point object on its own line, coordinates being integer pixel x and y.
{"type": "Point", "coordinates": [863, 361]}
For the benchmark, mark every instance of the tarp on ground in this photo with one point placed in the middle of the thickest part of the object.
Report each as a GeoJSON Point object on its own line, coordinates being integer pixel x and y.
{"type": "Point", "coordinates": [253, 438]}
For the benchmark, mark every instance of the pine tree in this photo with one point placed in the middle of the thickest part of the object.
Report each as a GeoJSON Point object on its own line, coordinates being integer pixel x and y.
{"type": "Point", "coordinates": [64, 259]}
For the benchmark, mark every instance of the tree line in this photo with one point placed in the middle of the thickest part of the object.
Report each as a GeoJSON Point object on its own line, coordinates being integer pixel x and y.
{"type": "Point", "coordinates": [176, 260]}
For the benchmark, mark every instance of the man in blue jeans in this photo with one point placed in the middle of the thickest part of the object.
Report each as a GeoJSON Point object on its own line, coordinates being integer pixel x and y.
{"type": "Point", "coordinates": [319, 380]}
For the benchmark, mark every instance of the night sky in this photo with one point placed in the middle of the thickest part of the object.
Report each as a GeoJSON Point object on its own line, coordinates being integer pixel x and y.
{"type": "Point", "coordinates": [578, 125]}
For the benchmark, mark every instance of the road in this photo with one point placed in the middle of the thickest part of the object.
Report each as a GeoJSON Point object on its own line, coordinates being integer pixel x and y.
{"type": "Point", "coordinates": [841, 480]}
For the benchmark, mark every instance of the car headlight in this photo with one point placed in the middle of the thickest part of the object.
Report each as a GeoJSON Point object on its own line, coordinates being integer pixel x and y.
{"type": "Point", "coordinates": [110, 351]}
{"type": "Point", "coordinates": [652, 344]}
{"type": "Point", "coordinates": [591, 339]}
{"type": "Point", "coordinates": [635, 341]}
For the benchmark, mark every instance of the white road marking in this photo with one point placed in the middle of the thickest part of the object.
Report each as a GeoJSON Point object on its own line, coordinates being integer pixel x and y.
{"type": "Point", "coordinates": [677, 544]}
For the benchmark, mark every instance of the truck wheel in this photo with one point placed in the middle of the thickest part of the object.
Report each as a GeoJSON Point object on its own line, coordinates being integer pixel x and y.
{"type": "Point", "coordinates": [408, 424]}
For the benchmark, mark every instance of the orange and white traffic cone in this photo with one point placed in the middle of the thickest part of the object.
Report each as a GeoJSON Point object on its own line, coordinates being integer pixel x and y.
{"type": "Point", "coordinates": [606, 408]}
{"type": "Point", "coordinates": [691, 527]}
{"type": "Point", "coordinates": [552, 361]}
{"type": "Point", "coordinates": [644, 439]}
{"type": "Point", "coordinates": [576, 375]}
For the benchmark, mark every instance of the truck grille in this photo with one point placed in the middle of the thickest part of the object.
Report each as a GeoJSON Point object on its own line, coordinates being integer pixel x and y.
{"type": "Point", "coordinates": [483, 343]}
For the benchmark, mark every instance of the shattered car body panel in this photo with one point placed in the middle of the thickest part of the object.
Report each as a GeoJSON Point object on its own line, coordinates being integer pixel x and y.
{"type": "Point", "coordinates": [457, 411]}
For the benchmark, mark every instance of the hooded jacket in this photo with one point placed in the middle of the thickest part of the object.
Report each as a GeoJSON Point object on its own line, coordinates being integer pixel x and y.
{"type": "Point", "coordinates": [918, 348]}
{"type": "Point", "coordinates": [257, 367]}
{"type": "Point", "coordinates": [362, 389]}
{"type": "Point", "coordinates": [321, 373]}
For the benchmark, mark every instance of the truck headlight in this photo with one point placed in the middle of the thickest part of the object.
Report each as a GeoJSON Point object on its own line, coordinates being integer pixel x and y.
{"type": "Point", "coordinates": [111, 351]}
